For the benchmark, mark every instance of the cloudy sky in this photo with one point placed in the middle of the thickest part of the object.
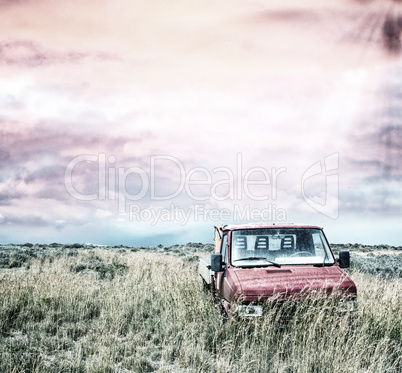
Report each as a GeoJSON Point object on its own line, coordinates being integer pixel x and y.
{"type": "Point", "coordinates": [147, 122]}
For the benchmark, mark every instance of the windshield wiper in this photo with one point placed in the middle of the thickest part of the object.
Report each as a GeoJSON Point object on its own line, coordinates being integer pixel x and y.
{"type": "Point", "coordinates": [274, 263]}
{"type": "Point", "coordinates": [259, 258]}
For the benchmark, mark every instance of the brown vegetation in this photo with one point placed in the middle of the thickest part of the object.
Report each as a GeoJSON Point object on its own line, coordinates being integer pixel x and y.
{"type": "Point", "coordinates": [127, 309]}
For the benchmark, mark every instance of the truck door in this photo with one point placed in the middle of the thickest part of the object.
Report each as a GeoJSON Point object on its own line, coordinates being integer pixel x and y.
{"type": "Point", "coordinates": [220, 275]}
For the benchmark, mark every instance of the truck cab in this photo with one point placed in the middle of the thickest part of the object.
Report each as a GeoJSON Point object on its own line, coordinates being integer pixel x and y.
{"type": "Point", "coordinates": [256, 263]}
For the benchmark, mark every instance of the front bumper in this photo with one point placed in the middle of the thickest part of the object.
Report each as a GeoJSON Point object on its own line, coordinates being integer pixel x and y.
{"type": "Point", "coordinates": [288, 309]}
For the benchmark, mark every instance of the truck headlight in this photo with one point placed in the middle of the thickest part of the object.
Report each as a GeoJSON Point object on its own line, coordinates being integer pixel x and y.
{"type": "Point", "coordinates": [249, 310]}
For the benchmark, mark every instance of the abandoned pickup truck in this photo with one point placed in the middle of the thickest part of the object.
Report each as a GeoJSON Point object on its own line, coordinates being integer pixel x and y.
{"type": "Point", "coordinates": [257, 263]}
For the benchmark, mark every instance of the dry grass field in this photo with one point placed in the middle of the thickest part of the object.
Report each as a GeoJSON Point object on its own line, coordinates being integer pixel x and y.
{"type": "Point", "coordinates": [82, 308]}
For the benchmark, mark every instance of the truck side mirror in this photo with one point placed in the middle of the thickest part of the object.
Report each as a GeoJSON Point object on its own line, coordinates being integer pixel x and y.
{"type": "Point", "coordinates": [344, 259]}
{"type": "Point", "coordinates": [216, 263]}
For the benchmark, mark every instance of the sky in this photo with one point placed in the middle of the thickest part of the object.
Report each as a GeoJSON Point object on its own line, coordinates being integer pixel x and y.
{"type": "Point", "coordinates": [150, 122]}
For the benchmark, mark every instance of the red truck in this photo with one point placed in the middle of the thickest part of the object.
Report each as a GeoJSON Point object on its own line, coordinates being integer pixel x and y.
{"type": "Point", "coordinates": [258, 263]}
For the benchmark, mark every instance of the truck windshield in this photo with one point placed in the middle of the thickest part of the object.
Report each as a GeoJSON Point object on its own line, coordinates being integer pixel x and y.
{"type": "Point", "coordinates": [280, 246]}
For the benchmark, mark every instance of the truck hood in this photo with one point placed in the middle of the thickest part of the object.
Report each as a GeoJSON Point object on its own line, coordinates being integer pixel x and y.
{"type": "Point", "coordinates": [258, 284]}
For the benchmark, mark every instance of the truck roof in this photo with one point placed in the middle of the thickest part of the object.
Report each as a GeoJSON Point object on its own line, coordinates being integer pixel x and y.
{"type": "Point", "coordinates": [266, 225]}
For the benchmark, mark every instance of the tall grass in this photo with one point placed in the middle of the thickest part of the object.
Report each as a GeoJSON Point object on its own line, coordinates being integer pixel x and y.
{"type": "Point", "coordinates": [104, 311]}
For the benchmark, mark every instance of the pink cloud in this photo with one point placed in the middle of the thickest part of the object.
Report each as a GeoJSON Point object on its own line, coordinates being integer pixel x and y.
{"type": "Point", "coordinates": [284, 85]}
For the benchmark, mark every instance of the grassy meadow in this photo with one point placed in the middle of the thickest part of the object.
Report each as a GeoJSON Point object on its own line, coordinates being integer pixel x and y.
{"type": "Point", "coordinates": [82, 308]}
